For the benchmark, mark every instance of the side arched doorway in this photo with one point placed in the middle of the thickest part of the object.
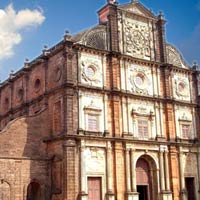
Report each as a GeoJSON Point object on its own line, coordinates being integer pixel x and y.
{"type": "Point", "coordinates": [146, 178]}
{"type": "Point", "coordinates": [34, 191]}
{"type": "Point", "coordinates": [4, 190]}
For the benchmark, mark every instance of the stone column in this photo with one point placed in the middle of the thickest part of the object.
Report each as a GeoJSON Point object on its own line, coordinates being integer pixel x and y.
{"type": "Point", "coordinates": [161, 120]}
{"type": "Point", "coordinates": [133, 195]}
{"type": "Point", "coordinates": [151, 117]}
{"type": "Point", "coordinates": [182, 178]}
{"type": "Point", "coordinates": [162, 176]}
{"type": "Point", "coordinates": [83, 194]}
{"type": "Point", "coordinates": [80, 115]}
{"type": "Point", "coordinates": [105, 114]}
{"type": "Point", "coordinates": [110, 194]}
{"type": "Point", "coordinates": [128, 180]}
{"type": "Point", "coordinates": [181, 171]}
{"type": "Point", "coordinates": [134, 187]}
{"type": "Point", "coordinates": [69, 173]}
{"type": "Point", "coordinates": [167, 183]}
{"type": "Point", "coordinates": [64, 171]}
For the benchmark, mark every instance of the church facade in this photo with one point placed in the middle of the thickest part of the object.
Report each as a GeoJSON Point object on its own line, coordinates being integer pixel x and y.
{"type": "Point", "coordinates": [111, 113]}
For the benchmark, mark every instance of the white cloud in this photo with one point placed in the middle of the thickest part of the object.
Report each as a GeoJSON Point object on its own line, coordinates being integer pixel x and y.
{"type": "Point", "coordinates": [11, 23]}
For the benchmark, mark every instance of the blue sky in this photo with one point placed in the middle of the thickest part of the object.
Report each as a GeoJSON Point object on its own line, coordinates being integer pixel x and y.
{"type": "Point", "coordinates": [47, 26]}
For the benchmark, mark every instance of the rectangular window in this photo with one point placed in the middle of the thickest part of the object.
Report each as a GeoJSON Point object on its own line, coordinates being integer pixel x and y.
{"type": "Point", "coordinates": [143, 128]}
{"type": "Point", "coordinates": [93, 122]}
{"type": "Point", "coordinates": [185, 130]}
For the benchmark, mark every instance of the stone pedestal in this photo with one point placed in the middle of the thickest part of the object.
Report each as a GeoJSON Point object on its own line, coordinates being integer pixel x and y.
{"type": "Point", "coordinates": [132, 196]}
{"type": "Point", "coordinates": [166, 195]}
{"type": "Point", "coordinates": [110, 196]}
{"type": "Point", "coordinates": [184, 195]}
{"type": "Point", "coordinates": [83, 196]}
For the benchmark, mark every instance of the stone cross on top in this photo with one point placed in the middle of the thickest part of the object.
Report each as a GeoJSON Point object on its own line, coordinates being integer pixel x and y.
{"type": "Point", "coordinates": [112, 1]}
{"type": "Point", "coordinates": [115, 1]}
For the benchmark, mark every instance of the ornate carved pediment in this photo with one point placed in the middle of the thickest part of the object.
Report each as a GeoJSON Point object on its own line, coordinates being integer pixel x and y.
{"type": "Point", "coordinates": [137, 8]}
{"type": "Point", "coordinates": [174, 57]}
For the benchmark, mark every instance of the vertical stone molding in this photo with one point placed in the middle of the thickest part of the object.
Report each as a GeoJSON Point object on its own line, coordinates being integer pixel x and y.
{"type": "Point", "coordinates": [134, 188]}
{"type": "Point", "coordinates": [83, 194]}
{"type": "Point", "coordinates": [182, 178]}
{"type": "Point", "coordinates": [162, 42]}
{"type": "Point", "coordinates": [69, 188]}
{"type": "Point", "coordinates": [198, 166]}
{"type": "Point", "coordinates": [162, 173]}
{"type": "Point", "coordinates": [128, 180]}
{"type": "Point", "coordinates": [167, 182]}
{"type": "Point", "coordinates": [110, 194]}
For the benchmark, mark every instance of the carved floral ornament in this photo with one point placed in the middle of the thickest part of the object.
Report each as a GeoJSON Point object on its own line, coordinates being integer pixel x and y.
{"type": "Point", "coordinates": [90, 71]}
{"type": "Point", "coordinates": [137, 39]}
{"type": "Point", "coordinates": [184, 117]}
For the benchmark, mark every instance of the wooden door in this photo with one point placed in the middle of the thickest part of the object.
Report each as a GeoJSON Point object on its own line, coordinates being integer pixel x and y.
{"type": "Point", "coordinates": [143, 180]}
{"type": "Point", "coordinates": [94, 188]}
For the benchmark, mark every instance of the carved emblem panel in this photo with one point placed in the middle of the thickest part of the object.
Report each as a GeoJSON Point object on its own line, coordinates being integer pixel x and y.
{"type": "Point", "coordinates": [136, 37]}
{"type": "Point", "coordinates": [91, 67]}
{"type": "Point", "coordinates": [95, 160]}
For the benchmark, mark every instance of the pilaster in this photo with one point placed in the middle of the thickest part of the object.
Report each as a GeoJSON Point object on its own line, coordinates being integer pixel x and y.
{"type": "Point", "coordinates": [69, 172]}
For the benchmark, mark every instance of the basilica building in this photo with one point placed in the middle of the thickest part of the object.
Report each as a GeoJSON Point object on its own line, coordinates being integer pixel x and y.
{"type": "Point", "coordinates": [110, 113]}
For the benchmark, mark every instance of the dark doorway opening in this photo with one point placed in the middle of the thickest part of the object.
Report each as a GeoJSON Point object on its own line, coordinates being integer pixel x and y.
{"type": "Point", "coordinates": [143, 192]}
{"type": "Point", "coordinates": [190, 187]}
{"type": "Point", "coordinates": [33, 191]}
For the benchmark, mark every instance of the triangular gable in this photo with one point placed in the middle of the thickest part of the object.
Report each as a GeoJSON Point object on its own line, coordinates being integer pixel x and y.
{"type": "Point", "coordinates": [137, 8]}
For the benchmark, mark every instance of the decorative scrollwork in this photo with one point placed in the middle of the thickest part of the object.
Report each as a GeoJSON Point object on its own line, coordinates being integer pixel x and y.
{"type": "Point", "coordinates": [90, 71]}
{"type": "Point", "coordinates": [137, 39]}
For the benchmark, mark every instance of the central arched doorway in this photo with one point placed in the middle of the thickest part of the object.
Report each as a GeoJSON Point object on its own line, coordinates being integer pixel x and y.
{"type": "Point", "coordinates": [146, 178]}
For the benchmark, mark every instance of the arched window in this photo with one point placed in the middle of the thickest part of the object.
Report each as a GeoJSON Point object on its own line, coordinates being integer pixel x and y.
{"type": "Point", "coordinates": [34, 191]}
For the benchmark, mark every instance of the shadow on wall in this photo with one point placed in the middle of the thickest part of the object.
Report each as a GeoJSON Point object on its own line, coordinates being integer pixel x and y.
{"type": "Point", "coordinates": [24, 172]}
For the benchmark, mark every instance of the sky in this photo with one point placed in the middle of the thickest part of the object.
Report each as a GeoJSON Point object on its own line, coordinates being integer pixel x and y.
{"type": "Point", "coordinates": [27, 25]}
